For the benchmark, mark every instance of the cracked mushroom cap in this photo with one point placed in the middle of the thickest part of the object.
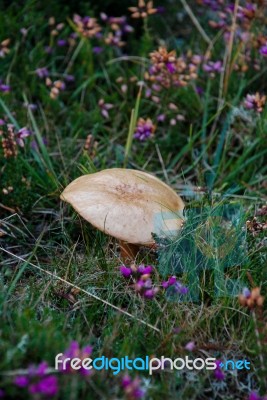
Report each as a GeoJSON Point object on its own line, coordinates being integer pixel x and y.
{"type": "Point", "coordinates": [126, 204]}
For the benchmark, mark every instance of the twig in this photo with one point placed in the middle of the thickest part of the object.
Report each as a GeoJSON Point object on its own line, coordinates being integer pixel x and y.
{"type": "Point", "coordinates": [8, 208]}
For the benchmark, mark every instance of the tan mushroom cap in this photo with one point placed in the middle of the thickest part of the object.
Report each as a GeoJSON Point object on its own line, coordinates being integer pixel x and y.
{"type": "Point", "coordinates": [126, 204]}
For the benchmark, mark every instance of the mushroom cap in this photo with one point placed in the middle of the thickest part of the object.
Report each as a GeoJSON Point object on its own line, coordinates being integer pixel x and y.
{"type": "Point", "coordinates": [126, 204]}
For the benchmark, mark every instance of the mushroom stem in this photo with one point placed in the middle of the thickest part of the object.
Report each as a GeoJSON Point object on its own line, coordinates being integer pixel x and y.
{"type": "Point", "coordinates": [128, 251]}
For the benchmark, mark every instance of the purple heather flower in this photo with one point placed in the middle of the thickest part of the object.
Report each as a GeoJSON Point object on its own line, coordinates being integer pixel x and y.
{"type": "Point", "coordinates": [104, 107]}
{"type": "Point", "coordinates": [47, 386]}
{"type": "Point", "coordinates": [62, 42]}
{"type": "Point", "coordinates": [156, 87]}
{"type": "Point", "coordinates": [161, 117]}
{"type": "Point", "coordinates": [150, 293]}
{"type": "Point", "coordinates": [255, 102]}
{"type": "Point", "coordinates": [160, 9]}
{"type": "Point", "coordinates": [132, 388]}
{"type": "Point", "coordinates": [21, 135]}
{"type": "Point", "coordinates": [190, 346]}
{"type": "Point", "coordinates": [4, 88]}
{"type": "Point", "coordinates": [69, 78]}
{"type": "Point", "coordinates": [144, 129]}
{"type": "Point", "coordinates": [246, 292]}
{"type": "Point", "coordinates": [147, 283]}
{"type": "Point", "coordinates": [42, 72]}
{"type": "Point", "coordinates": [126, 380]}
{"type": "Point", "coordinates": [218, 373]}
{"type": "Point", "coordinates": [2, 394]}
{"type": "Point", "coordinates": [175, 284]}
{"type": "Point", "coordinates": [97, 49]}
{"type": "Point", "coordinates": [172, 280]}
{"type": "Point", "coordinates": [145, 269]}
{"type": "Point", "coordinates": [21, 381]}
{"type": "Point", "coordinates": [171, 67]}
{"type": "Point", "coordinates": [213, 67]}
{"type": "Point", "coordinates": [148, 92]}
{"type": "Point", "coordinates": [126, 272]}
{"type": "Point", "coordinates": [73, 351]}
{"type": "Point", "coordinates": [139, 285]}
{"type": "Point", "coordinates": [263, 50]}
{"type": "Point", "coordinates": [2, 122]}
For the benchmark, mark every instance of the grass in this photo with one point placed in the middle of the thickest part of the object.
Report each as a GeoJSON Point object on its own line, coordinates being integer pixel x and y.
{"type": "Point", "coordinates": [59, 277]}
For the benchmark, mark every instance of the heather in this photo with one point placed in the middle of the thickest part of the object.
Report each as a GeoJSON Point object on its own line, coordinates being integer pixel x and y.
{"type": "Point", "coordinates": [175, 89]}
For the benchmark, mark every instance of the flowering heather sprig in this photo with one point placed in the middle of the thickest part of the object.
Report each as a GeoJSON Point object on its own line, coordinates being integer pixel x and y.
{"type": "Point", "coordinates": [74, 351]}
{"type": "Point", "coordinates": [190, 346]}
{"type": "Point", "coordinates": [144, 129]}
{"type": "Point", "coordinates": [9, 143]}
{"type": "Point", "coordinates": [132, 388]}
{"type": "Point", "coordinates": [4, 88]}
{"type": "Point", "coordinates": [251, 299]}
{"type": "Point", "coordinates": [263, 50]}
{"type": "Point", "coordinates": [167, 70]}
{"type": "Point", "coordinates": [30, 106]}
{"type": "Point", "coordinates": [222, 14]}
{"type": "Point", "coordinates": [38, 382]}
{"type": "Point", "coordinates": [213, 67]}
{"type": "Point", "coordinates": [142, 279]}
{"type": "Point", "coordinates": [104, 108]}
{"type": "Point", "coordinates": [175, 285]}
{"type": "Point", "coordinates": [248, 15]}
{"type": "Point", "coordinates": [55, 87]}
{"type": "Point", "coordinates": [87, 26]}
{"type": "Point", "coordinates": [117, 24]}
{"type": "Point", "coordinates": [255, 227]}
{"type": "Point", "coordinates": [114, 39]}
{"type": "Point", "coordinates": [218, 372]}
{"type": "Point", "coordinates": [255, 102]}
{"type": "Point", "coordinates": [11, 139]}
{"type": "Point", "coordinates": [143, 9]}
{"type": "Point", "coordinates": [21, 135]}
{"type": "Point", "coordinates": [4, 49]}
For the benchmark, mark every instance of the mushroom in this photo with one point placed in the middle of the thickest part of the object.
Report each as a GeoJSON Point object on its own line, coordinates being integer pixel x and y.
{"type": "Point", "coordinates": [127, 204]}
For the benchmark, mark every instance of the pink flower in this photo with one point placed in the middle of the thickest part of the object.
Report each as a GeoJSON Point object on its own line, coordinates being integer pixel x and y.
{"type": "Point", "coordinates": [38, 381]}
{"type": "Point", "coordinates": [176, 286]}
{"type": "Point", "coordinates": [104, 108]}
{"type": "Point", "coordinates": [21, 135]}
{"type": "Point", "coordinates": [190, 346]}
{"type": "Point", "coordinates": [21, 381]}
{"type": "Point", "coordinates": [132, 388]}
{"type": "Point", "coordinates": [144, 129]}
{"type": "Point", "coordinates": [47, 386]}
{"type": "Point", "coordinates": [126, 272]}
{"type": "Point", "coordinates": [218, 373]}
{"type": "Point", "coordinates": [74, 351]}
